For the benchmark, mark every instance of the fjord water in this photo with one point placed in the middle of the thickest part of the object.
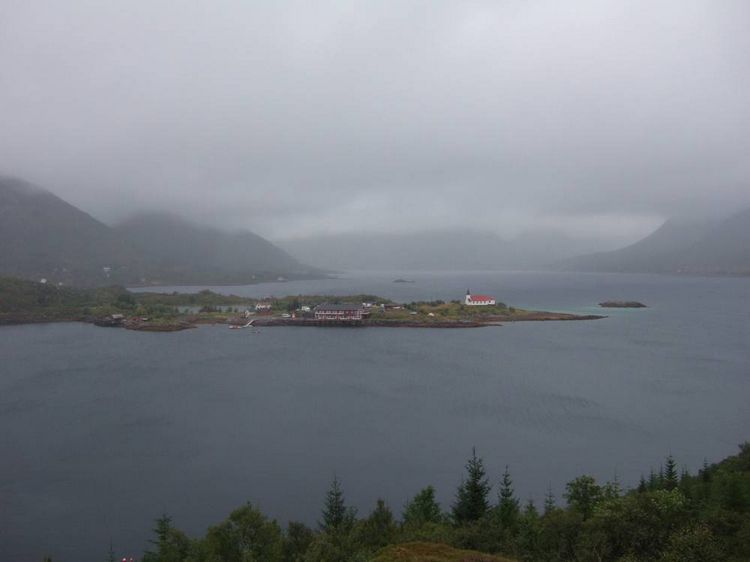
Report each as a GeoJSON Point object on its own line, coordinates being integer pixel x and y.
{"type": "Point", "coordinates": [103, 429]}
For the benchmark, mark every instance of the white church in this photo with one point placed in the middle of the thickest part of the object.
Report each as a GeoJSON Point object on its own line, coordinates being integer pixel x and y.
{"type": "Point", "coordinates": [478, 300]}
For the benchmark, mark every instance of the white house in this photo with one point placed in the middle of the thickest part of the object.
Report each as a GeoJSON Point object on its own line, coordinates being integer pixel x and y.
{"type": "Point", "coordinates": [478, 300]}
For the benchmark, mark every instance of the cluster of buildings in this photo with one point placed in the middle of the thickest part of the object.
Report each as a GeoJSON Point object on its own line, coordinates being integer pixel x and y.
{"type": "Point", "coordinates": [356, 312]}
{"type": "Point", "coordinates": [324, 311]}
{"type": "Point", "coordinates": [350, 312]}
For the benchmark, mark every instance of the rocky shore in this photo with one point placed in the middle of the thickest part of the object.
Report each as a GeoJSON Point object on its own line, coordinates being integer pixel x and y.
{"type": "Point", "coordinates": [188, 322]}
{"type": "Point", "coordinates": [622, 304]}
{"type": "Point", "coordinates": [495, 320]}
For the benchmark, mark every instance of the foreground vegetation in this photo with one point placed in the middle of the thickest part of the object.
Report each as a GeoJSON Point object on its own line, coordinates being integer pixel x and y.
{"type": "Point", "coordinates": [671, 516]}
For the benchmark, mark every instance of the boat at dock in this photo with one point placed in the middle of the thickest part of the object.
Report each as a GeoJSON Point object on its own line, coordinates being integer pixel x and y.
{"type": "Point", "coordinates": [240, 327]}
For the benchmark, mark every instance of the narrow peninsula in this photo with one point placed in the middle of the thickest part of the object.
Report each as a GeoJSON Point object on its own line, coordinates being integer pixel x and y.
{"type": "Point", "coordinates": [27, 302]}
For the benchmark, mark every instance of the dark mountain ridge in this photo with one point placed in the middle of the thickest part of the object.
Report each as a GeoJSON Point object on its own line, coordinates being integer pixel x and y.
{"type": "Point", "coordinates": [44, 237]}
{"type": "Point", "coordinates": [182, 251]}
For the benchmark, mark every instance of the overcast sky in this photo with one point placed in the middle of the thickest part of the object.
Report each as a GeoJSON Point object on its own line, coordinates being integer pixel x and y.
{"type": "Point", "coordinates": [290, 118]}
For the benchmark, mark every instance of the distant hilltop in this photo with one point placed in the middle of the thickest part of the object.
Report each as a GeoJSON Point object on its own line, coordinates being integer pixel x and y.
{"type": "Point", "coordinates": [44, 237]}
{"type": "Point", "coordinates": [689, 247]}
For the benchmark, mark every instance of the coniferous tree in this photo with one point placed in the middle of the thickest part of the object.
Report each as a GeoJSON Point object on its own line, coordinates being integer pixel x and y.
{"type": "Point", "coordinates": [684, 475]}
{"type": "Point", "coordinates": [161, 530]}
{"type": "Point", "coordinates": [471, 498]}
{"type": "Point", "coordinates": [530, 532]}
{"type": "Point", "coordinates": [670, 477]}
{"type": "Point", "coordinates": [549, 500]}
{"type": "Point", "coordinates": [423, 508]}
{"type": "Point", "coordinates": [612, 490]}
{"type": "Point", "coordinates": [334, 510]}
{"type": "Point", "coordinates": [337, 542]}
{"type": "Point", "coordinates": [642, 486]}
{"type": "Point", "coordinates": [530, 509]}
{"type": "Point", "coordinates": [379, 529]}
{"type": "Point", "coordinates": [653, 480]}
{"type": "Point", "coordinates": [508, 506]}
{"type": "Point", "coordinates": [335, 513]}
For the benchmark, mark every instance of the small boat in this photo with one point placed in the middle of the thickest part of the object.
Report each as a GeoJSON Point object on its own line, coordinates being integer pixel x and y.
{"type": "Point", "coordinates": [238, 327]}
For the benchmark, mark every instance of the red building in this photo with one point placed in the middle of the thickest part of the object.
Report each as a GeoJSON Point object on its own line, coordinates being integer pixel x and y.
{"type": "Point", "coordinates": [478, 300]}
{"type": "Point", "coordinates": [339, 312]}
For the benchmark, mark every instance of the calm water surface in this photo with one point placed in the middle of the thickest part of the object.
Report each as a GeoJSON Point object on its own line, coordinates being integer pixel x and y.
{"type": "Point", "coordinates": [102, 430]}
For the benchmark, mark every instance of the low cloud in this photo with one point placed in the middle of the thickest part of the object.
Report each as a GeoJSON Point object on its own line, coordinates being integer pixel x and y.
{"type": "Point", "coordinates": [593, 118]}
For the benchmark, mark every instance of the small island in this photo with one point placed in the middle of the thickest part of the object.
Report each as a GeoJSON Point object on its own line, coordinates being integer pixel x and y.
{"type": "Point", "coordinates": [622, 304]}
{"type": "Point", "coordinates": [25, 302]}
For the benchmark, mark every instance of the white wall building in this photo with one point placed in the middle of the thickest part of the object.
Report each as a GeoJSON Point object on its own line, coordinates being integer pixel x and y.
{"type": "Point", "coordinates": [478, 300]}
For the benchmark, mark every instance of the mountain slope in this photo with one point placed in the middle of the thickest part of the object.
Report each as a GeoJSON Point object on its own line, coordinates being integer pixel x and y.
{"type": "Point", "coordinates": [434, 250]}
{"type": "Point", "coordinates": [725, 249]}
{"type": "Point", "coordinates": [42, 236]}
{"type": "Point", "coordinates": [185, 252]}
{"type": "Point", "coordinates": [698, 247]}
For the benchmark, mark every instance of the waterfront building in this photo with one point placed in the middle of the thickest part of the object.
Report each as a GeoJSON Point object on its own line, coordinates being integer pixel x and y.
{"type": "Point", "coordinates": [478, 300]}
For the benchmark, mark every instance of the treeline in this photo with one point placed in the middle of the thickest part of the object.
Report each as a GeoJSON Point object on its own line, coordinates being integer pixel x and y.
{"type": "Point", "coordinates": [31, 301]}
{"type": "Point", "coordinates": [672, 516]}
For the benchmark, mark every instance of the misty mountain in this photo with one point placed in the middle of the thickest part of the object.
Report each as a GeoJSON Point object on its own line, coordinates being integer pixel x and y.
{"type": "Point", "coordinates": [699, 247]}
{"type": "Point", "coordinates": [182, 251]}
{"type": "Point", "coordinates": [42, 236]}
{"type": "Point", "coordinates": [435, 250]}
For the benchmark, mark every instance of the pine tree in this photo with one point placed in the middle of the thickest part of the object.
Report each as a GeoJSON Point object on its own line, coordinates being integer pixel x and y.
{"type": "Point", "coordinates": [642, 486]}
{"type": "Point", "coordinates": [530, 509]}
{"type": "Point", "coordinates": [423, 508]}
{"type": "Point", "coordinates": [653, 481]}
{"type": "Point", "coordinates": [111, 554]}
{"type": "Point", "coordinates": [335, 513]}
{"type": "Point", "coordinates": [379, 529]}
{"type": "Point", "coordinates": [670, 478]}
{"type": "Point", "coordinates": [684, 475]}
{"type": "Point", "coordinates": [471, 498]}
{"type": "Point", "coordinates": [549, 500]}
{"type": "Point", "coordinates": [529, 532]}
{"type": "Point", "coordinates": [612, 490]}
{"type": "Point", "coordinates": [508, 506]}
{"type": "Point", "coordinates": [161, 530]}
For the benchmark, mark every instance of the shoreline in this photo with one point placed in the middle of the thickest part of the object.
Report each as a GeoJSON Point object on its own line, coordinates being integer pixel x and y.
{"type": "Point", "coordinates": [190, 322]}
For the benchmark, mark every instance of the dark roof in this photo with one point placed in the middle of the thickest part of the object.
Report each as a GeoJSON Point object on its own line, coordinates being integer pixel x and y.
{"type": "Point", "coordinates": [342, 306]}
